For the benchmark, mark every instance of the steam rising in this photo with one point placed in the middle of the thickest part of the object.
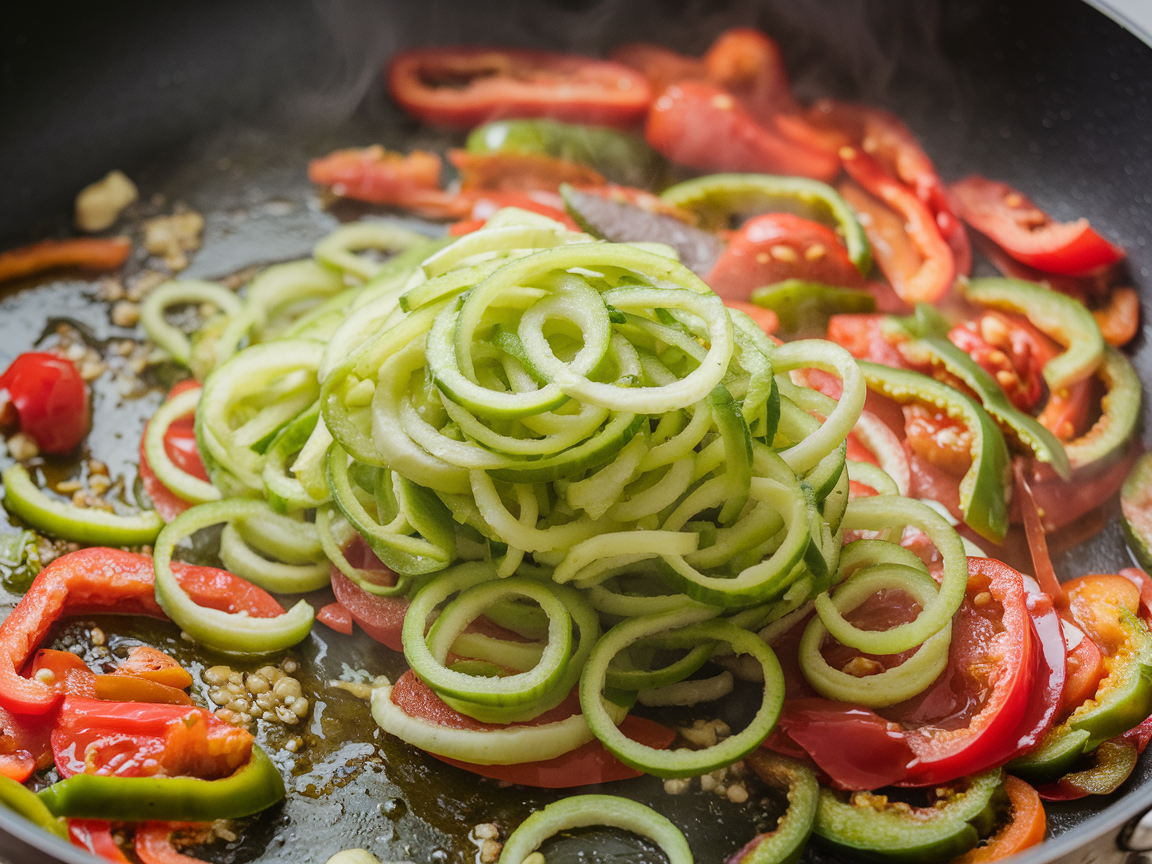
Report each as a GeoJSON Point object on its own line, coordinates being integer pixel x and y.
{"type": "Point", "coordinates": [833, 47]}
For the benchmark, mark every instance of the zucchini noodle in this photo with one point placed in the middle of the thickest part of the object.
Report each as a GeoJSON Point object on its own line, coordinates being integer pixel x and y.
{"type": "Point", "coordinates": [558, 436]}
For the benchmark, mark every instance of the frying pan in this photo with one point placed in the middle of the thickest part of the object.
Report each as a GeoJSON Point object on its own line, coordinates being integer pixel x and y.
{"type": "Point", "coordinates": [220, 104]}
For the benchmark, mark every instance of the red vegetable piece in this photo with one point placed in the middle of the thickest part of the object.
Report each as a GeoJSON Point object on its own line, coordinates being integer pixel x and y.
{"type": "Point", "coordinates": [180, 445]}
{"type": "Point", "coordinates": [777, 246]}
{"type": "Point", "coordinates": [1029, 234]}
{"type": "Point", "coordinates": [862, 336]}
{"type": "Point", "coordinates": [49, 398]}
{"type": "Point", "coordinates": [1066, 502]}
{"type": "Point", "coordinates": [382, 618]}
{"type": "Point", "coordinates": [463, 87]}
{"type": "Point", "coordinates": [750, 66]}
{"type": "Point", "coordinates": [135, 739]}
{"type": "Point", "coordinates": [765, 318]}
{"type": "Point", "coordinates": [153, 844]}
{"type": "Point", "coordinates": [152, 664]}
{"type": "Point", "coordinates": [1085, 670]}
{"type": "Point", "coordinates": [104, 580]}
{"type": "Point", "coordinates": [703, 126]}
{"type": "Point", "coordinates": [519, 172]}
{"type": "Point", "coordinates": [96, 836]}
{"type": "Point", "coordinates": [381, 176]}
{"type": "Point", "coordinates": [933, 277]}
{"type": "Point", "coordinates": [337, 617]}
{"type": "Point", "coordinates": [90, 253]}
{"type": "Point", "coordinates": [1011, 351]}
{"type": "Point", "coordinates": [661, 66]}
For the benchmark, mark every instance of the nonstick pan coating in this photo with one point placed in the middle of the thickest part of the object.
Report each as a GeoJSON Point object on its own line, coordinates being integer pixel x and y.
{"type": "Point", "coordinates": [1049, 96]}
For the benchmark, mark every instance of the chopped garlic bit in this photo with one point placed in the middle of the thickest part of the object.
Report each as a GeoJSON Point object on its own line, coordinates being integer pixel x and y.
{"type": "Point", "coordinates": [99, 205]}
{"type": "Point", "coordinates": [171, 237]}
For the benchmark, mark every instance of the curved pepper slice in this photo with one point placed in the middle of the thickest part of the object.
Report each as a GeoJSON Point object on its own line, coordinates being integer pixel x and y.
{"type": "Point", "coordinates": [719, 197]}
{"type": "Point", "coordinates": [91, 253]}
{"type": "Point", "coordinates": [785, 843]}
{"type": "Point", "coordinates": [1105, 607]}
{"type": "Point", "coordinates": [1120, 412]}
{"type": "Point", "coordinates": [866, 824]}
{"type": "Point", "coordinates": [15, 796]}
{"type": "Point", "coordinates": [932, 279]}
{"type": "Point", "coordinates": [983, 490]}
{"type": "Point", "coordinates": [255, 786]}
{"type": "Point", "coordinates": [930, 346]}
{"type": "Point", "coordinates": [102, 580]}
{"type": "Point", "coordinates": [1024, 830]}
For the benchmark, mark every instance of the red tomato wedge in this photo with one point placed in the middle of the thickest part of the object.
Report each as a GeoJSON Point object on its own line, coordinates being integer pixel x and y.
{"type": "Point", "coordinates": [702, 126]}
{"type": "Point", "coordinates": [463, 87]}
{"type": "Point", "coordinates": [180, 445]}
{"type": "Point", "coordinates": [590, 763]}
{"type": "Point", "coordinates": [132, 739]}
{"type": "Point", "coordinates": [778, 246]}
{"type": "Point", "coordinates": [49, 398]}
{"type": "Point", "coordinates": [966, 721]}
{"type": "Point", "coordinates": [1029, 234]}
{"type": "Point", "coordinates": [96, 836]}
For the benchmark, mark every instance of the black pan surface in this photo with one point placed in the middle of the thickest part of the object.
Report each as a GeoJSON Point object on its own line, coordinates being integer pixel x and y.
{"type": "Point", "coordinates": [220, 105]}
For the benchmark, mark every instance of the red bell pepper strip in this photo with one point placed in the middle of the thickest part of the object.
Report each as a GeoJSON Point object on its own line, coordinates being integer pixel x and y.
{"type": "Point", "coordinates": [49, 400]}
{"type": "Point", "coordinates": [103, 580]}
{"type": "Point", "coordinates": [382, 618]}
{"type": "Point", "coordinates": [95, 835]}
{"type": "Point", "coordinates": [1119, 318]}
{"type": "Point", "coordinates": [702, 126]}
{"type": "Point", "coordinates": [774, 247]}
{"type": "Point", "coordinates": [1029, 234]}
{"type": "Point", "coordinates": [463, 87]}
{"type": "Point", "coordinates": [1025, 827]}
{"type": "Point", "coordinates": [932, 279]}
{"type": "Point", "coordinates": [134, 739]}
{"type": "Point", "coordinates": [380, 176]}
{"type": "Point", "coordinates": [1037, 541]}
{"type": "Point", "coordinates": [90, 253]}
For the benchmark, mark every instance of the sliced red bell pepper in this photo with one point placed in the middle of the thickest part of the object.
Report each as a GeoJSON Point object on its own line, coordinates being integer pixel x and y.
{"type": "Point", "coordinates": [69, 674]}
{"type": "Point", "coordinates": [774, 247]}
{"type": "Point", "coordinates": [95, 835]}
{"type": "Point", "coordinates": [381, 176]}
{"type": "Point", "coordinates": [751, 67]}
{"type": "Point", "coordinates": [337, 617]}
{"type": "Point", "coordinates": [90, 253]}
{"type": "Point", "coordinates": [465, 86]}
{"type": "Point", "coordinates": [862, 336]}
{"type": "Point", "coordinates": [49, 401]}
{"type": "Point", "coordinates": [1024, 829]}
{"type": "Point", "coordinates": [702, 126]}
{"type": "Point", "coordinates": [933, 277]}
{"type": "Point", "coordinates": [1011, 350]}
{"type": "Point", "coordinates": [103, 580]}
{"type": "Point", "coordinates": [153, 844]}
{"type": "Point", "coordinates": [1029, 234]}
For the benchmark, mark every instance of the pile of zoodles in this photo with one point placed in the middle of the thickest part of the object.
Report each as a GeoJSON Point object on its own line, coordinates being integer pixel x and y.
{"type": "Point", "coordinates": [572, 438]}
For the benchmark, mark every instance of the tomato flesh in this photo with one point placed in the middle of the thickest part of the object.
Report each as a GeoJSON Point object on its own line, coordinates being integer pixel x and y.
{"type": "Point", "coordinates": [49, 398]}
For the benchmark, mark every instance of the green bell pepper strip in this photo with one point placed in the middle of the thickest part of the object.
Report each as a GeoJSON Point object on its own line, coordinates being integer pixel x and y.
{"type": "Point", "coordinates": [868, 827]}
{"type": "Point", "coordinates": [1120, 413]}
{"type": "Point", "coordinates": [1115, 761]}
{"type": "Point", "coordinates": [83, 525]}
{"type": "Point", "coordinates": [583, 811]}
{"type": "Point", "coordinates": [718, 196]}
{"type": "Point", "coordinates": [785, 843]}
{"type": "Point", "coordinates": [620, 157]}
{"type": "Point", "coordinates": [232, 633]}
{"type": "Point", "coordinates": [1122, 701]}
{"type": "Point", "coordinates": [20, 799]}
{"type": "Point", "coordinates": [1136, 506]}
{"type": "Point", "coordinates": [1057, 315]}
{"type": "Point", "coordinates": [254, 787]}
{"type": "Point", "coordinates": [928, 337]}
{"type": "Point", "coordinates": [983, 489]}
{"type": "Point", "coordinates": [804, 307]}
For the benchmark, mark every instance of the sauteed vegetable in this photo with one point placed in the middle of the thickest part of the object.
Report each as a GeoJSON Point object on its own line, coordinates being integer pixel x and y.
{"type": "Point", "coordinates": [604, 457]}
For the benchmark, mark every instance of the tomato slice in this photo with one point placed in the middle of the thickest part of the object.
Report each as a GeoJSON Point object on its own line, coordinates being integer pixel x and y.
{"type": "Point", "coordinates": [777, 246]}
{"type": "Point", "coordinates": [49, 398]}
{"type": "Point", "coordinates": [1011, 351]}
{"type": "Point", "coordinates": [337, 617]}
{"type": "Point", "coordinates": [590, 763]}
{"type": "Point", "coordinates": [96, 836]}
{"type": "Point", "coordinates": [153, 844]}
{"type": "Point", "coordinates": [463, 87]}
{"type": "Point", "coordinates": [133, 739]}
{"type": "Point", "coordinates": [1029, 234]}
{"type": "Point", "coordinates": [965, 722]}
{"type": "Point", "coordinates": [382, 618]}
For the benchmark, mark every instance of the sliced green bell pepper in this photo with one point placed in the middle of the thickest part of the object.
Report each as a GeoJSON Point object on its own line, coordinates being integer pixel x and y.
{"type": "Point", "coordinates": [252, 788]}
{"type": "Point", "coordinates": [927, 332]}
{"type": "Point", "coordinates": [867, 825]}
{"type": "Point", "coordinates": [785, 843]}
{"type": "Point", "coordinates": [621, 157]}
{"type": "Point", "coordinates": [1057, 315]}
{"type": "Point", "coordinates": [1120, 412]}
{"type": "Point", "coordinates": [17, 797]}
{"type": "Point", "coordinates": [803, 307]}
{"type": "Point", "coordinates": [983, 489]}
{"type": "Point", "coordinates": [718, 196]}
